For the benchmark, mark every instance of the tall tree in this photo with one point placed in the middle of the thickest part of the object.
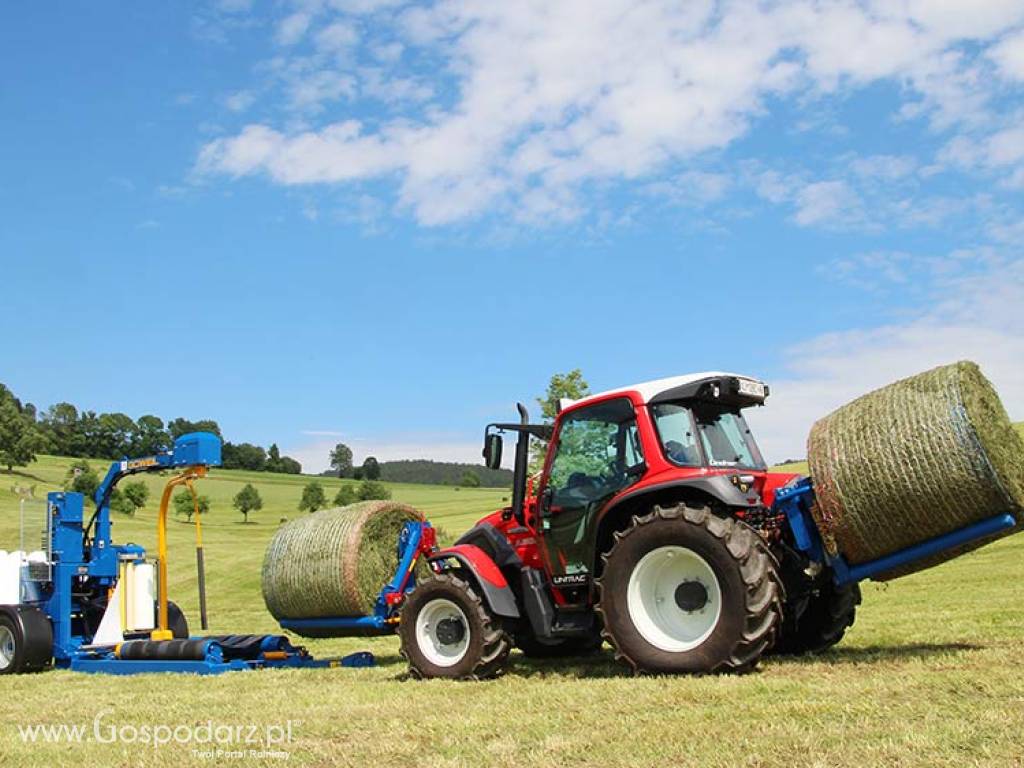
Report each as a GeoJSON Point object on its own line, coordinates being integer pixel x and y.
{"type": "Point", "coordinates": [371, 468]}
{"type": "Point", "coordinates": [290, 466]}
{"type": "Point", "coordinates": [243, 456]}
{"type": "Point", "coordinates": [116, 431]}
{"type": "Point", "coordinates": [178, 427]}
{"type": "Point", "coordinates": [273, 458]}
{"type": "Point", "coordinates": [341, 460]}
{"type": "Point", "coordinates": [150, 436]}
{"type": "Point", "coordinates": [64, 431]}
{"type": "Point", "coordinates": [20, 440]}
{"type": "Point", "coordinates": [248, 500]}
{"type": "Point", "coordinates": [571, 386]}
{"type": "Point", "coordinates": [470, 479]}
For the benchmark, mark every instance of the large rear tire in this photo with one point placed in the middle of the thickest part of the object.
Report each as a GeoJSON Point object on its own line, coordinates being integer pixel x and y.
{"type": "Point", "coordinates": [685, 591]}
{"type": "Point", "coordinates": [829, 612]}
{"type": "Point", "coordinates": [447, 631]}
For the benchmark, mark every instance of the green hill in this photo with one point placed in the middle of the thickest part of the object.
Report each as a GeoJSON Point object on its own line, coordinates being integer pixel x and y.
{"type": "Point", "coordinates": [442, 472]}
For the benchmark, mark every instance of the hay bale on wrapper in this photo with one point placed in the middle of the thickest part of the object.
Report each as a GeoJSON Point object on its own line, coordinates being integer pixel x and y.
{"type": "Point", "coordinates": [333, 562]}
{"type": "Point", "coordinates": [921, 457]}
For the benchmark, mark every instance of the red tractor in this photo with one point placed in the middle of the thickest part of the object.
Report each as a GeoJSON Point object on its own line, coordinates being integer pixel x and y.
{"type": "Point", "coordinates": [651, 526]}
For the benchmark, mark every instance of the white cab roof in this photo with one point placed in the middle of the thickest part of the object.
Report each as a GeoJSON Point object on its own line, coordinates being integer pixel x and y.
{"type": "Point", "coordinates": [648, 390]}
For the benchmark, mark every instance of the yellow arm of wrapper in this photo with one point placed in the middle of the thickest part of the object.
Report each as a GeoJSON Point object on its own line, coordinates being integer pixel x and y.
{"type": "Point", "coordinates": [163, 632]}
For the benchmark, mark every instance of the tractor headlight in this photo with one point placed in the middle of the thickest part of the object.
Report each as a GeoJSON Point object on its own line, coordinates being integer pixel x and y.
{"type": "Point", "coordinates": [751, 388]}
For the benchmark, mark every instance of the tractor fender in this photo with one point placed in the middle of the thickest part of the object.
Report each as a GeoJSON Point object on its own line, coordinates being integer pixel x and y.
{"type": "Point", "coordinates": [484, 573]}
{"type": "Point", "coordinates": [715, 486]}
{"type": "Point", "coordinates": [711, 488]}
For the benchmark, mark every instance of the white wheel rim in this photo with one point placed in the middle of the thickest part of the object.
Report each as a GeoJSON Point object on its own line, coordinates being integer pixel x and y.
{"type": "Point", "coordinates": [652, 599]}
{"type": "Point", "coordinates": [433, 648]}
{"type": "Point", "coordinates": [6, 648]}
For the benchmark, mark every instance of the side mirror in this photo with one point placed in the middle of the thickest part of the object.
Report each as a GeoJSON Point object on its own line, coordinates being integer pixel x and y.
{"type": "Point", "coordinates": [492, 451]}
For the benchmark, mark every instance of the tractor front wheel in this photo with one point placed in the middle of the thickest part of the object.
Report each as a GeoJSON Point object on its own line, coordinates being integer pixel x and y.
{"type": "Point", "coordinates": [686, 591]}
{"type": "Point", "coordinates": [447, 631]}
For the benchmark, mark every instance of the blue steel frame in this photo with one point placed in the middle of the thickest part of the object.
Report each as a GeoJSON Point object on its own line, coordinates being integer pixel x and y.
{"type": "Point", "coordinates": [67, 539]}
{"type": "Point", "coordinates": [216, 663]}
{"type": "Point", "coordinates": [795, 503]}
{"type": "Point", "coordinates": [385, 610]}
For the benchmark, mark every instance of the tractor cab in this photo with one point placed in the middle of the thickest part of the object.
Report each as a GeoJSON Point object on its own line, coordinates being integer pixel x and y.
{"type": "Point", "coordinates": [682, 433]}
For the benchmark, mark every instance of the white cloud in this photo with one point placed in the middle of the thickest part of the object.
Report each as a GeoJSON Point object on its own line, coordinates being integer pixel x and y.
{"type": "Point", "coordinates": [978, 320]}
{"type": "Point", "coordinates": [545, 99]}
{"type": "Point", "coordinates": [240, 101]}
{"type": "Point", "coordinates": [826, 202]}
{"type": "Point", "coordinates": [293, 28]}
{"type": "Point", "coordinates": [336, 37]}
{"type": "Point", "coordinates": [884, 167]}
{"type": "Point", "coordinates": [1009, 56]}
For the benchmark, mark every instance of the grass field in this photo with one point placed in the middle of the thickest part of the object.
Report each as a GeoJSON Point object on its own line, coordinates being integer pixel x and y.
{"type": "Point", "coordinates": [931, 675]}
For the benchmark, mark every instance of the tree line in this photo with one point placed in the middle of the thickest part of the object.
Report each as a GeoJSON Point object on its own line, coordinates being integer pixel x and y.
{"type": "Point", "coordinates": [64, 430]}
{"type": "Point", "coordinates": [415, 471]}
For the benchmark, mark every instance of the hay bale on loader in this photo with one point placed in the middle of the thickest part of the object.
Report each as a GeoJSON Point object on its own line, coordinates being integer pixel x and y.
{"type": "Point", "coordinates": [916, 459]}
{"type": "Point", "coordinates": [334, 562]}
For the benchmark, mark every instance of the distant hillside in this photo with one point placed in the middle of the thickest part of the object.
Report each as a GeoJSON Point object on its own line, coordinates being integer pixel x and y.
{"type": "Point", "coordinates": [442, 473]}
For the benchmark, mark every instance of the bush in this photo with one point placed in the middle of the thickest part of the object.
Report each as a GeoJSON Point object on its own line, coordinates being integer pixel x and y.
{"type": "Point", "coordinates": [313, 497]}
{"type": "Point", "coordinates": [130, 498]}
{"type": "Point", "coordinates": [184, 505]}
{"type": "Point", "coordinates": [82, 478]}
{"type": "Point", "coordinates": [373, 489]}
{"type": "Point", "coordinates": [346, 495]}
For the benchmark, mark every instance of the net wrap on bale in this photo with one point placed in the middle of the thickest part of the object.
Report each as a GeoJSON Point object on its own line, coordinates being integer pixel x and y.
{"type": "Point", "coordinates": [335, 561]}
{"type": "Point", "coordinates": [921, 457]}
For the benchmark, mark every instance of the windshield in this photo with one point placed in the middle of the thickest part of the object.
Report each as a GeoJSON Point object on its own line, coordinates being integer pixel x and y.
{"type": "Point", "coordinates": [692, 436]}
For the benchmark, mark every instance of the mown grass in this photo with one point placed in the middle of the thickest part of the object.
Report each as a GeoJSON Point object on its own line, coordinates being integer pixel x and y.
{"type": "Point", "coordinates": [931, 675]}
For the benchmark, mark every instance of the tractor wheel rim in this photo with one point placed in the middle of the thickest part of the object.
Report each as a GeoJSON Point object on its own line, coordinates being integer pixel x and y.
{"type": "Point", "coordinates": [674, 599]}
{"type": "Point", "coordinates": [433, 643]}
{"type": "Point", "coordinates": [6, 648]}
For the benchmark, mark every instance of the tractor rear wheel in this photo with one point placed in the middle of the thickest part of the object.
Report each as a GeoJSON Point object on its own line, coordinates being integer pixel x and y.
{"type": "Point", "coordinates": [683, 590]}
{"type": "Point", "coordinates": [829, 612]}
{"type": "Point", "coordinates": [447, 631]}
{"type": "Point", "coordinates": [26, 641]}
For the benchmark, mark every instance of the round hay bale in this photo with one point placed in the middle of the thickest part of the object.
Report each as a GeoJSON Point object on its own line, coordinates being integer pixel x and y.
{"type": "Point", "coordinates": [921, 457]}
{"type": "Point", "coordinates": [333, 562]}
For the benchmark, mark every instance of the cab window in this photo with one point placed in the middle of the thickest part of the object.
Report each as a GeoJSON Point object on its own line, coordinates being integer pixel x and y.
{"type": "Point", "coordinates": [597, 448]}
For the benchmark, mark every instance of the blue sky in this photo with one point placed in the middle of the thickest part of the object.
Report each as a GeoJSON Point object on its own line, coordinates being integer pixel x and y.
{"type": "Point", "coordinates": [384, 222]}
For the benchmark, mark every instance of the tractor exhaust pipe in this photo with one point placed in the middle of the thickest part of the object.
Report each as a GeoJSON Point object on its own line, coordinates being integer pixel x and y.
{"type": "Point", "coordinates": [521, 467]}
